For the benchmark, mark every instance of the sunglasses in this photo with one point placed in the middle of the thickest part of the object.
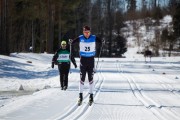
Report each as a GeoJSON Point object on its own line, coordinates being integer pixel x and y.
{"type": "Point", "coordinates": [86, 32]}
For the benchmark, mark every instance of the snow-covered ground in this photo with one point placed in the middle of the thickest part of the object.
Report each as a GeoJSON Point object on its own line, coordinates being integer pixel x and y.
{"type": "Point", "coordinates": [125, 89]}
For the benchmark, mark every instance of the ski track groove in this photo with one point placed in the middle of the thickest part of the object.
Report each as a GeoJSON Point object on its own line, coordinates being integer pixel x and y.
{"type": "Point", "coordinates": [78, 112]}
{"type": "Point", "coordinates": [146, 101]}
{"type": "Point", "coordinates": [168, 86]}
{"type": "Point", "coordinates": [75, 112]}
{"type": "Point", "coordinates": [158, 110]}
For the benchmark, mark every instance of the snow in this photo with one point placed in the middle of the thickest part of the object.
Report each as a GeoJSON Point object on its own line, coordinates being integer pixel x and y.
{"type": "Point", "coordinates": [125, 88]}
{"type": "Point", "coordinates": [167, 19]}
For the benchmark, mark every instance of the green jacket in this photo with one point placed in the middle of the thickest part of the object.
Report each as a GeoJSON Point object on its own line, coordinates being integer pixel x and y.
{"type": "Point", "coordinates": [63, 56]}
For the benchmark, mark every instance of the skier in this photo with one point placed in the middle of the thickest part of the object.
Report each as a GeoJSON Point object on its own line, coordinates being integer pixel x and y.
{"type": "Point", "coordinates": [63, 59]}
{"type": "Point", "coordinates": [87, 45]}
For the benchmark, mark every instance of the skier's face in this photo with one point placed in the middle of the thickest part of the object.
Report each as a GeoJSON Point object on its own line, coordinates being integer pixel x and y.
{"type": "Point", "coordinates": [86, 33]}
{"type": "Point", "coordinates": [63, 46]}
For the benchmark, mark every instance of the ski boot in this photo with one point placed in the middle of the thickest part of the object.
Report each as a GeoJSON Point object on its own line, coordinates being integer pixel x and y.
{"type": "Point", "coordinates": [61, 88]}
{"type": "Point", "coordinates": [80, 99]}
{"type": "Point", "coordinates": [65, 87]}
{"type": "Point", "coordinates": [91, 99]}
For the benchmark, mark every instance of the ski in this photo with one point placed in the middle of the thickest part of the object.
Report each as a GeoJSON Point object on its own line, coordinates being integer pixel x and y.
{"type": "Point", "coordinates": [79, 102]}
{"type": "Point", "coordinates": [90, 103]}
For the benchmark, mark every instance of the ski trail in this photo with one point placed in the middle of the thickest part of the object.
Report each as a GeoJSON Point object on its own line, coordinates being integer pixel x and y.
{"type": "Point", "coordinates": [101, 79]}
{"type": "Point", "coordinates": [164, 109]}
{"type": "Point", "coordinates": [151, 104]}
{"type": "Point", "coordinates": [134, 88]}
{"type": "Point", "coordinates": [168, 86]}
{"type": "Point", "coordinates": [159, 107]}
{"type": "Point", "coordinates": [137, 93]}
{"type": "Point", "coordinates": [78, 111]}
{"type": "Point", "coordinates": [101, 108]}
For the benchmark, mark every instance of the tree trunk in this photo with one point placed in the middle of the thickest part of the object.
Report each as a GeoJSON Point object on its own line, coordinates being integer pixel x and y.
{"type": "Point", "coordinates": [51, 27]}
{"type": "Point", "coordinates": [42, 36]}
{"type": "Point", "coordinates": [3, 37]}
{"type": "Point", "coordinates": [170, 49]}
{"type": "Point", "coordinates": [109, 27]}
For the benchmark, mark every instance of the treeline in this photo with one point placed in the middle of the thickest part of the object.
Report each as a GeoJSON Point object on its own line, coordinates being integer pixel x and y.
{"type": "Point", "coordinates": [42, 24]}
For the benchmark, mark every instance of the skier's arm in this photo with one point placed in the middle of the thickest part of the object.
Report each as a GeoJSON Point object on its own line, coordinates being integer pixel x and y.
{"type": "Point", "coordinates": [54, 59]}
{"type": "Point", "coordinates": [72, 57]}
{"type": "Point", "coordinates": [73, 61]}
{"type": "Point", "coordinates": [74, 41]}
{"type": "Point", "coordinates": [100, 41]}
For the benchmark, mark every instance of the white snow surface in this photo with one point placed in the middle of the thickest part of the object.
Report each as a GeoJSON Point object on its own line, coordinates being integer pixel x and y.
{"type": "Point", "coordinates": [125, 89]}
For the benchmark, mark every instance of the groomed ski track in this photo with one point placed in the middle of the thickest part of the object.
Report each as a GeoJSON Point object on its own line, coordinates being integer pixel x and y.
{"type": "Point", "coordinates": [160, 111]}
{"type": "Point", "coordinates": [123, 91]}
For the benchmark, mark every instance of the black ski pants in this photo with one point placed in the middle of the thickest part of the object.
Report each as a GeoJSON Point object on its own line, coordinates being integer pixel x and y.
{"type": "Point", "coordinates": [86, 66]}
{"type": "Point", "coordinates": [64, 72]}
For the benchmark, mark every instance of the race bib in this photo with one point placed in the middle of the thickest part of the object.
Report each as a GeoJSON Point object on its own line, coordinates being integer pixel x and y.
{"type": "Point", "coordinates": [87, 49]}
{"type": "Point", "coordinates": [63, 58]}
{"type": "Point", "coordinates": [87, 46]}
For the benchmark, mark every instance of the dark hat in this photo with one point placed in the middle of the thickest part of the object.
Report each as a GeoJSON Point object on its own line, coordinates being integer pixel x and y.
{"type": "Point", "coordinates": [86, 28]}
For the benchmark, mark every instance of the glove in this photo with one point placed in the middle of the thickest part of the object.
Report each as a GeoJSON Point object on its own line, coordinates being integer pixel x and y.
{"type": "Point", "coordinates": [70, 41]}
{"type": "Point", "coordinates": [56, 62]}
{"type": "Point", "coordinates": [75, 65]}
{"type": "Point", "coordinates": [52, 65]}
{"type": "Point", "coordinates": [103, 41]}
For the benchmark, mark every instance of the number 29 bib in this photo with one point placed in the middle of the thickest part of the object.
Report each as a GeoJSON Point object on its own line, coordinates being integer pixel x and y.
{"type": "Point", "coordinates": [87, 46]}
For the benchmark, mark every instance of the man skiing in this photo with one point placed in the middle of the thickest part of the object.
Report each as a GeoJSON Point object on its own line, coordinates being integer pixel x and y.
{"type": "Point", "coordinates": [63, 59]}
{"type": "Point", "coordinates": [87, 45]}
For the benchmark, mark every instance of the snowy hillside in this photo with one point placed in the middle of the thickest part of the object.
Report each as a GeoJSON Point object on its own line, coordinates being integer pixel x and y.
{"type": "Point", "coordinates": [141, 33]}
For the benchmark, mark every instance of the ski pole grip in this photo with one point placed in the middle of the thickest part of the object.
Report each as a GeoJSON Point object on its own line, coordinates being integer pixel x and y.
{"type": "Point", "coordinates": [70, 41]}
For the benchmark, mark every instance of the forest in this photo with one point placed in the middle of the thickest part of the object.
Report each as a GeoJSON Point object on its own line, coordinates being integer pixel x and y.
{"type": "Point", "coordinates": [42, 24]}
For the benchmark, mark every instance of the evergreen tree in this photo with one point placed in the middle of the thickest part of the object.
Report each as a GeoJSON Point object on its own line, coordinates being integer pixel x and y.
{"type": "Point", "coordinates": [176, 23]}
{"type": "Point", "coordinates": [121, 45]}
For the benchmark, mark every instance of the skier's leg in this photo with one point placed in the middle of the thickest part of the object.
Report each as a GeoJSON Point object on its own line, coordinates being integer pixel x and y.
{"type": "Point", "coordinates": [61, 76]}
{"type": "Point", "coordinates": [80, 99]}
{"type": "Point", "coordinates": [66, 78]}
{"type": "Point", "coordinates": [66, 72]}
{"type": "Point", "coordinates": [81, 84]}
{"type": "Point", "coordinates": [91, 84]}
{"type": "Point", "coordinates": [82, 78]}
{"type": "Point", "coordinates": [90, 71]}
{"type": "Point", "coordinates": [91, 99]}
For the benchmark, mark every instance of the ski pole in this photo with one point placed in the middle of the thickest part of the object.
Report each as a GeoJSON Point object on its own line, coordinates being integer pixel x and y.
{"type": "Point", "coordinates": [70, 56]}
{"type": "Point", "coordinates": [98, 58]}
